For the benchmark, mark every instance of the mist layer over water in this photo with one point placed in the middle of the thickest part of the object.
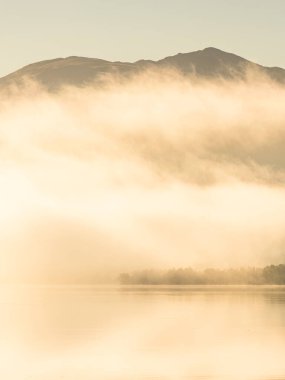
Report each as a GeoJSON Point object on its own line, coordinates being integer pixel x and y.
{"type": "Point", "coordinates": [82, 333]}
{"type": "Point", "coordinates": [158, 171]}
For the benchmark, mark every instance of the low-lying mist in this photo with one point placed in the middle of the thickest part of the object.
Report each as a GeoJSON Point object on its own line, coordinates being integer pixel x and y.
{"type": "Point", "coordinates": [157, 171]}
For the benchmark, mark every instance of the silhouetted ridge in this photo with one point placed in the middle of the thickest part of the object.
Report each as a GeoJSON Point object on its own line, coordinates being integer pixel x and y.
{"type": "Point", "coordinates": [210, 63]}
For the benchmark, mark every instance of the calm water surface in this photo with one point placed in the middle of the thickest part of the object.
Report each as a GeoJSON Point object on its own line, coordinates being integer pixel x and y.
{"type": "Point", "coordinates": [154, 333]}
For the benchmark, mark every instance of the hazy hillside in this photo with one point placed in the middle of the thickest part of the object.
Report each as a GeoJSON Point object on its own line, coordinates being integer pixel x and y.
{"type": "Point", "coordinates": [79, 71]}
{"type": "Point", "coordinates": [156, 171]}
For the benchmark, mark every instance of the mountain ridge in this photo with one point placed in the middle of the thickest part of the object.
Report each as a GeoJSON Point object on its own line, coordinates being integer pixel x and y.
{"type": "Point", "coordinates": [209, 63]}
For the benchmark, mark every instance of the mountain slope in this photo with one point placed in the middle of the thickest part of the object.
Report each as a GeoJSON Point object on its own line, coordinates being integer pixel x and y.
{"type": "Point", "coordinates": [212, 62]}
{"type": "Point", "coordinates": [209, 63]}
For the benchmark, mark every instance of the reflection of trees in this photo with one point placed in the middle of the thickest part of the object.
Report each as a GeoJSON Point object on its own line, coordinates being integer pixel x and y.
{"type": "Point", "coordinates": [273, 274]}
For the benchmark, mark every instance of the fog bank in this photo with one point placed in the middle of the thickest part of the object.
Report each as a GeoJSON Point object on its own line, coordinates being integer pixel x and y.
{"type": "Point", "coordinates": [156, 172]}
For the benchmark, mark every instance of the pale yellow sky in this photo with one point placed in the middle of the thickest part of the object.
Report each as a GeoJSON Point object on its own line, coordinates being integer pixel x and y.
{"type": "Point", "coordinates": [129, 30]}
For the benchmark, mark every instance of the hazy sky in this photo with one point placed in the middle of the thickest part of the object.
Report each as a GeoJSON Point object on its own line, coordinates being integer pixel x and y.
{"type": "Point", "coordinates": [34, 30]}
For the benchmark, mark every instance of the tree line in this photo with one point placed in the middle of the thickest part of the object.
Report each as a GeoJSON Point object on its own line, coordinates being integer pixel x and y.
{"type": "Point", "coordinates": [271, 275]}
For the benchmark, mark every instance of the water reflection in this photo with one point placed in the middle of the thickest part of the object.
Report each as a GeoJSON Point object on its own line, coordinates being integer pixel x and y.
{"type": "Point", "coordinates": [78, 333]}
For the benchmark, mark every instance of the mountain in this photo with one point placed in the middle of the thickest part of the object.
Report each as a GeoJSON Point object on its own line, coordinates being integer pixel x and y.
{"type": "Point", "coordinates": [210, 63]}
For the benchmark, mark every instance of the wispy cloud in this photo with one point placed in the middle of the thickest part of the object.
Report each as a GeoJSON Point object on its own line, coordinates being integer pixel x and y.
{"type": "Point", "coordinates": [157, 171]}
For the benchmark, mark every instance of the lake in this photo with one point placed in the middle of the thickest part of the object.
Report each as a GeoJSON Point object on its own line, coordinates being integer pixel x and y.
{"type": "Point", "coordinates": [142, 332]}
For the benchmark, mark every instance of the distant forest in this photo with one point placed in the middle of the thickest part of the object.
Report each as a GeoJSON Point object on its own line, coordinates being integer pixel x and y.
{"type": "Point", "coordinates": [271, 275]}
